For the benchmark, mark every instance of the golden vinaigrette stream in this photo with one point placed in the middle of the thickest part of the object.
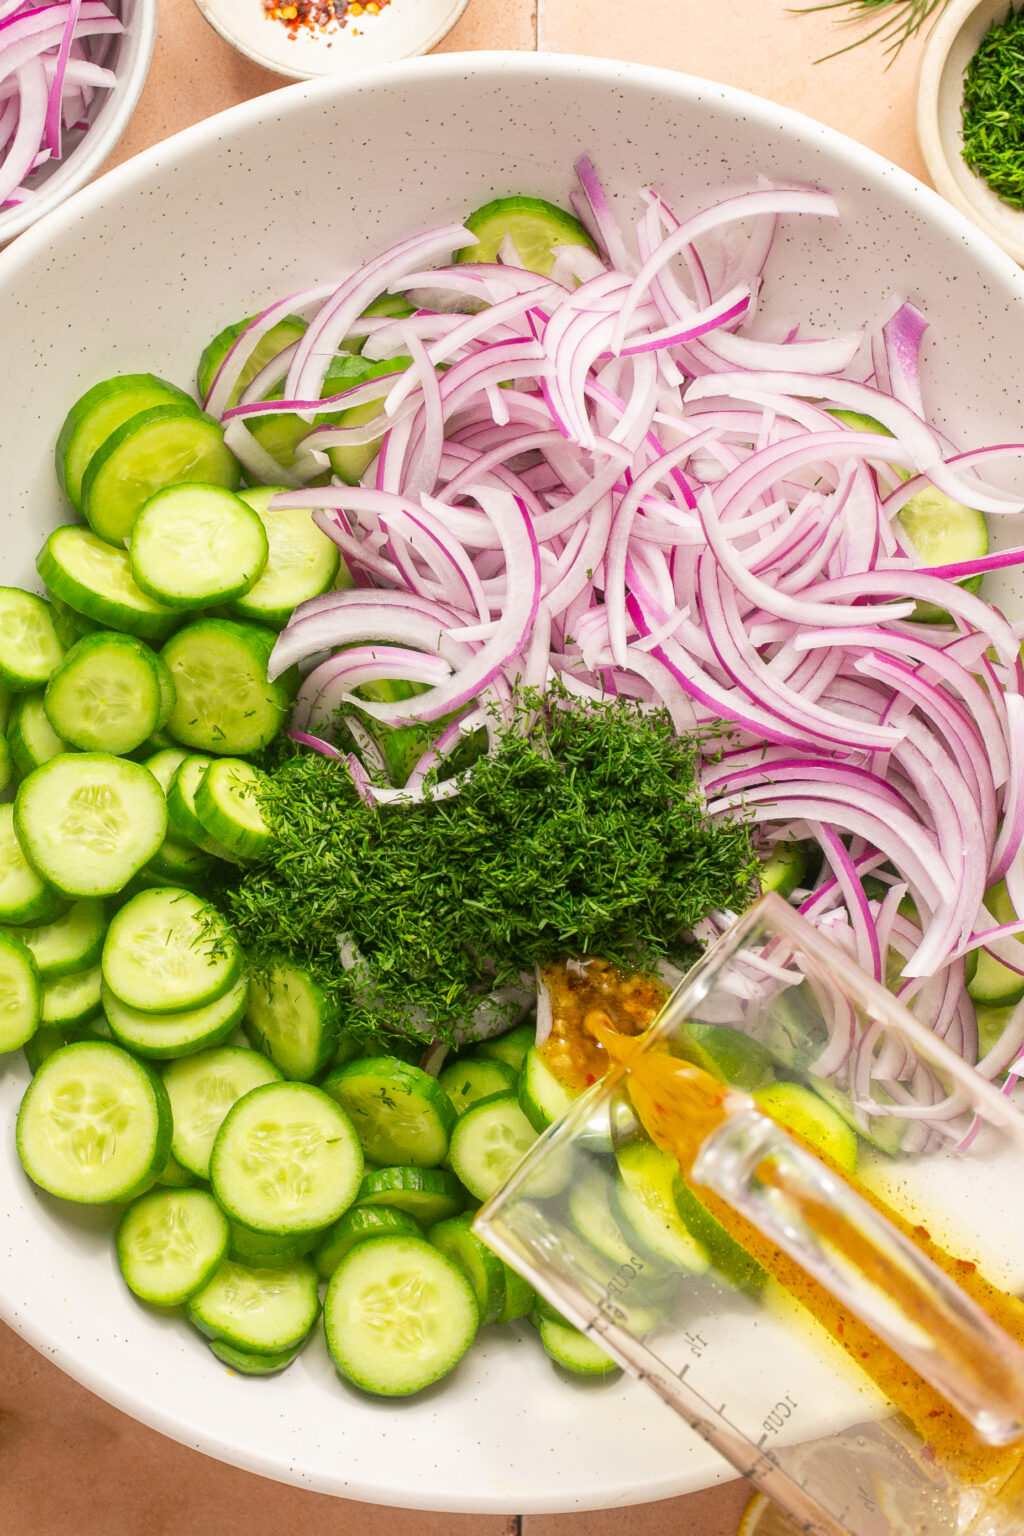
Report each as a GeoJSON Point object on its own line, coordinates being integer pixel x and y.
{"type": "Point", "coordinates": [679, 1105]}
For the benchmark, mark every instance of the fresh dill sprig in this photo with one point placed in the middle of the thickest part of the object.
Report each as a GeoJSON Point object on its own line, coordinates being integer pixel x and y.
{"type": "Point", "coordinates": [584, 833]}
{"type": "Point", "coordinates": [992, 112]}
{"type": "Point", "coordinates": [898, 20]}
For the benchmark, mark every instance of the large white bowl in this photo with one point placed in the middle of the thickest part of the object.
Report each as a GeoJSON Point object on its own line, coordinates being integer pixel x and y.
{"type": "Point", "coordinates": [137, 272]}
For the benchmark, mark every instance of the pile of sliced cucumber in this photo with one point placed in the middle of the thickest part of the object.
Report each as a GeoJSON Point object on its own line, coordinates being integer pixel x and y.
{"type": "Point", "coordinates": [252, 1155]}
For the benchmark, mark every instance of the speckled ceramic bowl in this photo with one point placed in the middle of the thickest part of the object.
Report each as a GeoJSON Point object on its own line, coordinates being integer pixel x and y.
{"type": "Point", "coordinates": [138, 271]}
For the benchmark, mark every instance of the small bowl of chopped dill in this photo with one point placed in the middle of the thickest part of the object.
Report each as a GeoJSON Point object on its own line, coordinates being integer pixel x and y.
{"type": "Point", "coordinates": [970, 115]}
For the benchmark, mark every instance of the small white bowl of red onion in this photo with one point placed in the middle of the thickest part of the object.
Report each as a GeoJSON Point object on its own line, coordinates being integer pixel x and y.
{"type": "Point", "coordinates": [71, 73]}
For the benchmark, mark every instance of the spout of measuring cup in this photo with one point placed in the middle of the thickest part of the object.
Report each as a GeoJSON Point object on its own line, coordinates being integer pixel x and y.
{"type": "Point", "coordinates": [871, 1268]}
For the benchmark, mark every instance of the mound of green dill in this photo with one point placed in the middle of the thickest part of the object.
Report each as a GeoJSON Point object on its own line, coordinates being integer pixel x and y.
{"type": "Point", "coordinates": [582, 833]}
{"type": "Point", "coordinates": [992, 113]}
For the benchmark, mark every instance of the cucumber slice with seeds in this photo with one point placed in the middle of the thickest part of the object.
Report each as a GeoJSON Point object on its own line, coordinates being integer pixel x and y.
{"type": "Point", "coordinates": [159, 1036]}
{"type": "Point", "coordinates": [401, 1114]}
{"type": "Point", "coordinates": [281, 335]}
{"type": "Point", "coordinates": [170, 1243]}
{"type": "Point", "coordinates": [165, 445]}
{"type": "Point", "coordinates": [166, 950]}
{"type": "Point", "coordinates": [224, 702]}
{"type": "Point", "coordinates": [290, 1019]}
{"type": "Point", "coordinates": [94, 579]}
{"type": "Point", "coordinates": [181, 798]}
{"type": "Point", "coordinates": [488, 1141]}
{"type": "Point", "coordinates": [105, 695]}
{"type": "Point", "coordinates": [398, 1315]}
{"type": "Point", "coordinates": [193, 546]}
{"type": "Point", "coordinates": [202, 1088]}
{"type": "Point", "coordinates": [301, 563]}
{"type": "Point", "coordinates": [24, 898]}
{"type": "Point", "coordinates": [29, 648]}
{"type": "Point", "coordinates": [286, 1160]}
{"type": "Point", "coordinates": [19, 994]}
{"type": "Point", "coordinates": [646, 1207]}
{"type": "Point", "coordinates": [98, 413]}
{"type": "Point", "coordinates": [89, 821]}
{"type": "Point", "coordinates": [259, 1311]}
{"type": "Point", "coordinates": [94, 1125]}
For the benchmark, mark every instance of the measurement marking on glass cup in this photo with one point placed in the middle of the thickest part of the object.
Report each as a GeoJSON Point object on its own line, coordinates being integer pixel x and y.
{"type": "Point", "coordinates": [783, 1410]}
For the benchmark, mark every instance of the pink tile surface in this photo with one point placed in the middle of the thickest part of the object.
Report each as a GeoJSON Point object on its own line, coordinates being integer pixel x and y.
{"type": "Point", "coordinates": [69, 1464]}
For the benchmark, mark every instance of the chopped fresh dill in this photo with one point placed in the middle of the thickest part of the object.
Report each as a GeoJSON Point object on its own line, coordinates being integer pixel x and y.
{"type": "Point", "coordinates": [992, 112]}
{"type": "Point", "coordinates": [583, 833]}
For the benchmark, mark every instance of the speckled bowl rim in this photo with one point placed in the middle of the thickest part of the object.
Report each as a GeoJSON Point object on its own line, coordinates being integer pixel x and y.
{"type": "Point", "coordinates": [448, 70]}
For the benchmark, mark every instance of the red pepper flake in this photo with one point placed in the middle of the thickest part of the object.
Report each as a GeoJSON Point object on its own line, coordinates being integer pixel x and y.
{"type": "Point", "coordinates": [320, 15]}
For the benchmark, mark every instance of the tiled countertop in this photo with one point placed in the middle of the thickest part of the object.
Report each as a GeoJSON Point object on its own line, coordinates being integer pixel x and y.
{"type": "Point", "coordinates": [69, 1464]}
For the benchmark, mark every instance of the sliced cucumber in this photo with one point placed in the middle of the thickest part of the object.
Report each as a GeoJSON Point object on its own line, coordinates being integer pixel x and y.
{"type": "Point", "coordinates": [164, 764]}
{"type": "Point", "coordinates": [165, 445]}
{"type": "Point", "coordinates": [488, 1141]}
{"type": "Point", "coordinates": [95, 579]}
{"type": "Point", "coordinates": [427, 1194]}
{"type": "Point", "coordinates": [166, 950]}
{"type": "Point", "coordinates": [474, 1078]}
{"type": "Point", "coordinates": [573, 1350]}
{"type": "Point", "coordinates": [172, 864]}
{"type": "Point", "coordinates": [224, 702]}
{"type": "Point", "coordinates": [286, 1160]}
{"type": "Point", "coordinates": [349, 462]}
{"type": "Point", "coordinates": [89, 821]}
{"type": "Point", "coordinates": [31, 738]}
{"type": "Point", "coordinates": [799, 1109]}
{"type": "Point", "coordinates": [170, 1243]}
{"type": "Point", "coordinates": [994, 983]}
{"type": "Point", "coordinates": [259, 1311]}
{"type": "Point", "coordinates": [227, 806]}
{"type": "Point", "coordinates": [482, 1268]}
{"type": "Point", "coordinates": [590, 1211]}
{"type": "Point", "coordinates": [543, 1097]}
{"type": "Point", "coordinates": [94, 1125]}
{"type": "Point", "coordinates": [301, 563]}
{"type": "Point", "coordinates": [161, 1036]}
{"type": "Point", "coordinates": [72, 1000]}
{"type": "Point", "coordinates": [290, 1019]}
{"type": "Point", "coordinates": [29, 648]}
{"type": "Point", "coordinates": [181, 799]}
{"type": "Point", "coordinates": [519, 1297]}
{"type": "Point", "coordinates": [281, 335]}
{"type": "Point", "coordinates": [646, 1206]}
{"type": "Point", "coordinates": [729, 1055]}
{"type": "Point", "coordinates": [355, 1226]}
{"type": "Point", "coordinates": [535, 227]}
{"type": "Point", "coordinates": [511, 1047]}
{"type": "Point", "coordinates": [400, 1113]}
{"type": "Point", "coordinates": [267, 1251]}
{"type": "Point", "coordinates": [98, 413]}
{"type": "Point", "coordinates": [175, 1176]}
{"type": "Point", "coordinates": [398, 1315]}
{"type": "Point", "coordinates": [783, 869]}
{"type": "Point", "coordinates": [24, 898]}
{"type": "Point", "coordinates": [105, 695]}
{"type": "Point", "coordinates": [249, 1364]}
{"type": "Point", "coordinates": [202, 1088]}
{"type": "Point", "coordinates": [194, 545]}
{"type": "Point", "coordinates": [19, 993]}
{"type": "Point", "coordinates": [71, 943]}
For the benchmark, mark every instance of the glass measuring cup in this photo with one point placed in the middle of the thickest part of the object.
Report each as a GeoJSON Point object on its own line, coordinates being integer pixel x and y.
{"type": "Point", "coordinates": [836, 1319]}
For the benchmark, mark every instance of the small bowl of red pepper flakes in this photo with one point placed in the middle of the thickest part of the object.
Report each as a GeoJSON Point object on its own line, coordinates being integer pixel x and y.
{"type": "Point", "coordinates": [304, 39]}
